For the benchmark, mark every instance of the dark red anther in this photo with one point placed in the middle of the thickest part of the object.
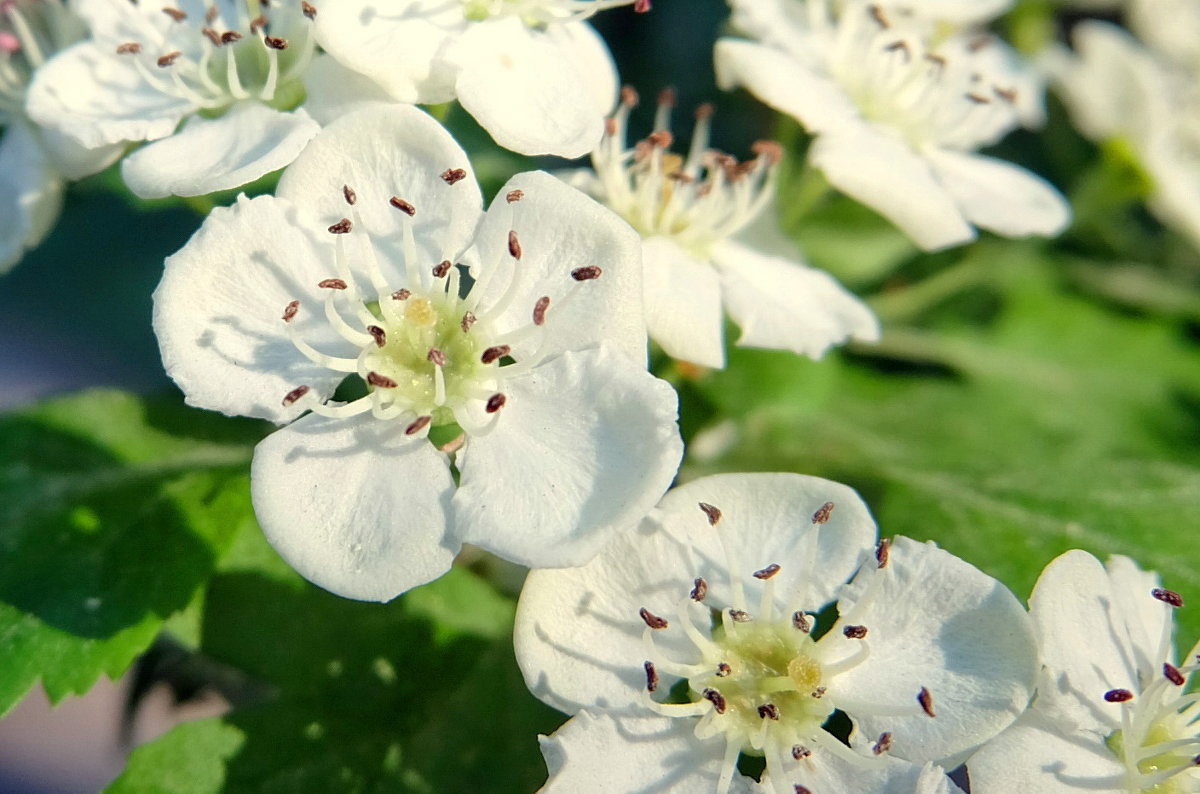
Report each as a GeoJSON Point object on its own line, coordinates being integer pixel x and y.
{"type": "Point", "coordinates": [442, 268]}
{"type": "Point", "coordinates": [401, 295]}
{"type": "Point", "coordinates": [768, 711]}
{"type": "Point", "coordinates": [883, 553]}
{"type": "Point", "coordinates": [586, 273]}
{"type": "Point", "coordinates": [494, 354]}
{"type": "Point", "coordinates": [651, 677]}
{"type": "Point", "coordinates": [926, 701]}
{"type": "Point", "coordinates": [436, 357]}
{"type": "Point", "coordinates": [854, 632]}
{"type": "Point", "coordinates": [716, 698]}
{"type": "Point", "coordinates": [652, 620]}
{"type": "Point", "coordinates": [879, 17]}
{"type": "Point", "coordinates": [341, 227]}
{"type": "Point", "coordinates": [175, 14]}
{"type": "Point", "coordinates": [713, 513]}
{"type": "Point", "coordinates": [230, 36]}
{"type": "Point", "coordinates": [168, 59]}
{"type": "Point", "coordinates": [539, 310]}
{"type": "Point", "coordinates": [977, 99]}
{"type": "Point", "coordinates": [629, 96]}
{"type": "Point", "coordinates": [699, 590]}
{"type": "Point", "coordinates": [495, 403]}
{"type": "Point", "coordinates": [666, 97]}
{"type": "Point", "coordinates": [418, 424]}
{"type": "Point", "coordinates": [452, 176]}
{"type": "Point", "coordinates": [308, 10]}
{"type": "Point", "coordinates": [212, 35]}
{"type": "Point", "coordinates": [800, 752]}
{"type": "Point", "coordinates": [724, 670]}
{"type": "Point", "coordinates": [349, 194]}
{"type": "Point", "coordinates": [378, 335]}
{"type": "Point", "coordinates": [402, 205]}
{"type": "Point", "coordinates": [1118, 696]}
{"type": "Point", "coordinates": [704, 112]}
{"type": "Point", "coordinates": [1169, 597]}
{"type": "Point", "coordinates": [822, 515]}
{"type": "Point", "coordinates": [129, 48]}
{"type": "Point", "coordinates": [258, 23]}
{"type": "Point", "coordinates": [801, 621]}
{"type": "Point", "coordinates": [380, 381]}
{"type": "Point", "coordinates": [514, 245]}
{"type": "Point", "coordinates": [468, 319]}
{"type": "Point", "coordinates": [275, 42]}
{"type": "Point", "coordinates": [770, 151]}
{"type": "Point", "coordinates": [514, 196]}
{"type": "Point", "coordinates": [290, 310]}
{"type": "Point", "coordinates": [641, 6]}
{"type": "Point", "coordinates": [332, 283]}
{"type": "Point", "coordinates": [295, 394]}
{"type": "Point", "coordinates": [1173, 674]}
{"type": "Point", "coordinates": [799, 789]}
{"type": "Point", "coordinates": [739, 615]}
{"type": "Point", "coordinates": [768, 572]}
{"type": "Point", "coordinates": [661, 139]}
{"type": "Point", "coordinates": [883, 743]}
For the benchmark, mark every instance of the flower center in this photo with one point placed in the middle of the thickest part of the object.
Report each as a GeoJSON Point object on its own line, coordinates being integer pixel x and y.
{"type": "Point", "coordinates": [539, 13]}
{"type": "Point", "coordinates": [30, 32]}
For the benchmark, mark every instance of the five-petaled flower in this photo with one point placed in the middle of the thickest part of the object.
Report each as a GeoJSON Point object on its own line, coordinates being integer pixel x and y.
{"type": "Point", "coordinates": [707, 635]}
{"type": "Point", "coordinates": [514, 341]}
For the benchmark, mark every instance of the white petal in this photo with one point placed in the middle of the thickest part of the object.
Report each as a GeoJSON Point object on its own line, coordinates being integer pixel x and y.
{"type": "Point", "coordinates": [218, 310]}
{"type": "Point", "coordinates": [333, 91]}
{"type": "Point", "coordinates": [884, 173]}
{"type": "Point", "coordinates": [999, 196]}
{"type": "Point", "coordinates": [383, 151]}
{"type": "Point", "coordinates": [786, 84]}
{"type": "Point", "coordinates": [602, 754]}
{"type": "Point", "coordinates": [787, 305]}
{"type": "Point", "coordinates": [397, 44]}
{"type": "Point", "coordinates": [824, 771]}
{"type": "Point", "coordinates": [88, 92]}
{"type": "Point", "coordinates": [1040, 756]}
{"type": "Point", "coordinates": [585, 445]}
{"type": "Point", "coordinates": [71, 159]}
{"type": "Point", "coordinates": [559, 229]}
{"type": "Point", "coordinates": [206, 155]}
{"type": "Point", "coordinates": [683, 303]}
{"type": "Point", "coordinates": [30, 194]}
{"type": "Point", "coordinates": [354, 505]}
{"type": "Point", "coordinates": [934, 622]}
{"type": "Point", "coordinates": [593, 62]}
{"type": "Point", "coordinates": [578, 637]}
{"type": "Point", "coordinates": [526, 89]}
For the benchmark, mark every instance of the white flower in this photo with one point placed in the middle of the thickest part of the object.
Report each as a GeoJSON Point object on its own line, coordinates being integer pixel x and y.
{"type": "Point", "coordinates": [699, 629]}
{"type": "Point", "coordinates": [151, 65]}
{"type": "Point", "coordinates": [1113, 712]}
{"type": "Point", "coordinates": [34, 163]}
{"type": "Point", "coordinates": [701, 247]}
{"type": "Point", "coordinates": [539, 360]}
{"type": "Point", "coordinates": [531, 72]}
{"type": "Point", "coordinates": [897, 113]}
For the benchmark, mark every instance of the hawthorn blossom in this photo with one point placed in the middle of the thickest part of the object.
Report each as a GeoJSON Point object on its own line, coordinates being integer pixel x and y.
{"type": "Point", "coordinates": [702, 249]}
{"type": "Point", "coordinates": [533, 73]}
{"type": "Point", "coordinates": [704, 636]}
{"type": "Point", "coordinates": [341, 305]}
{"type": "Point", "coordinates": [34, 163]}
{"type": "Point", "coordinates": [1114, 713]}
{"type": "Point", "coordinates": [898, 112]}
{"type": "Point", "coordinates": [227, 69]}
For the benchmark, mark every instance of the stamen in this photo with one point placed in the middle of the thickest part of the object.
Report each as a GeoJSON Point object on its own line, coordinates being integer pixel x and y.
{"type": "Point", "coordinates": [769, 711]}
{"type": "Point", "coordinates": [468, 320]}
{"type": "Point", "coordinates": [768, 572]}
{"type": "Point", "coordinates": [854, 632]}
{"type": "Point", "coordinates": [586, 273]}
{"type": "Point", "coordinates": [1118, 696]}
{"type": "Point", "coordinates": [349, 194]}
{"type": "Point", "coordinates": [801, 621]}
{"type": "Point", "coordinates": [699, 590]}
{"type": "Point", "coordinates": [652, 620]}
{"type": "Point", "coordinates": [442, 268]}
{"type": "Point", "coordinates": [401, 295]}
{"type": "Point", "coordinates": [882, 552]}
{"type": "Point", "coordinates": [168, 59]}
{"type": "Point", "coordinates": [380, 381]}
{"type": "Point", "coordinates": [800, 752]}
{"type": "Point", "coordinates": [333, 283]}
{"type": "Point", "coordinates": [213, 36]}
{"type": "Point", "coordinates": [514, 196]}
{"type": "Point", "coordinates": [290, 310]}
{"type": "Point", "coordinates": [724, 670]}
{"type": "Point", "coordinates": [452, 176]}
{"type": "Point", "coordinates": [175, 14]}
{"type": "Point", "coordinates": [651, 677]}
{"type": "Point", "coordinates": [822, 515]}
{"type": "Point", "coordinates": [740, 615]}
{"type": "Point", "coordinates": [716, 698]}
{"type": "Point", "coordinates": [714, 514]}
{"type": "Point", "coordinates": [307, 9]}
{"type": "Point", "coordinates": [926, 701]}
{"type": "Point", "coordinates": [341, 227]}
{"type": "Point", "coordinates": [419, 424]}
{"type": "Point", "coordinates": [495, 403]}
{"type": "Point", "coordinates": [129, 48]}
{"type": "Point", "coordinates": [883, 744]}
{"type": "Point", "coordinates": [514, 245]}
{"type": "Point", "coordinates": [295, 394]}
{"type": "Point", "coordinates": [494, 354]}
{"type": "Point", "coordinates": [539, 310]}
{"type": "Point", "coordinates": [1172, 674]}
{"type": "Point", "coordinates": [1169, 597]}
{"type": "Point", "coordinates": [402, 205]}
{"type": "Point", "coordinates": [436, 357]}
{"type": "Point", "coordinates": [379, 335]}
{"type": "Point", "coordinates": [230, 36]}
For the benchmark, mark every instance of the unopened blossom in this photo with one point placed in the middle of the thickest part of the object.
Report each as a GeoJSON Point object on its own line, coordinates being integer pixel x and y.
{"type": "Point", "coordinates": [699, 217]}
{"type": "Point", "coordinates": [510, 409]}
{"type": "Point", "coordinates": [228, 70]}
{"type": "Point", "coordinates": [704, 636]}
{"type": "Point", "coordinates": [34, 163]}
{"type": "Point", "coordinates": [1115, 712]}
{"type": "Point", "coordinates": [533, 73]}
{"type": "Point", "coordinates": [898, 112]}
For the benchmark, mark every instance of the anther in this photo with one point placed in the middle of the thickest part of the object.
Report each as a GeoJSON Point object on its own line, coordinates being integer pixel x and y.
{"type": "Point", "coordinates": [230, 36]}
{"type": "Point", "coordinates": [378, 335]}
{"type": "Point", "coordinates": [514, 245]}
{"type": "Point", "coordinates": [495, 403]}
{"type": "Point", "coordinates": [724, 670]}
{"type": "Point", "coordinates": [349, 194]}
{"type": "Point", "coordinates": [1167, 596]}
{"type": "Point", "coordinates": [436, 357]}
{"type": "Point", "coordinates": [129, 48]}
{"type": "Point", "coordinates": [883, 552]}
{"type": "Point", "coordinates": [212, 36]}
{"type": "Point", "coordinates": [879, 17]}
{"type": "Point", "coordinates": [290, 310]}
{"type": "Point", "coordinates": [666, 97]}
{"type": "Point", "coordinates": [629, 97]}
{"type": "Point", "coordinates": [926, 701]}
{"type": "Point", "coordinates": [210, 16]}
{"type": "Point", "coordinates": [801, 621]}
{"type": "Point", "coordinates": [641, 6]}
{"type": "Point", "coordinates": [258, 23]}
{"type": "Point", "coordinates": [661, 139]}
{"type": "Point", "coordinates": [704, 112]}
{"type": "Point", "coordinates": [468, 319]}
{"type": "Point", "coordinates": [495, 353]}
{"type": "Point", "coordinates": [771, 151]}
{"type": "Point", "coordinates": [418, 424]}
{"type": "Point", "coordinates": [308, 10]}
{"type": "Point", "coordinates": [401, 295]}
{"type": "Point", "coordinates": [854, 632]}
{"type": "Point", "coordinates": [979, 42]}
{"type": "Point", "coordinates": [441, 268]}
{"type": "Point", "coordinates": [699, 590]}
{"type": "Point", "coordinates": [275, 42]}
{"type": "Point", "coordinates": [514, 196]}
{"type": "Point", "coordinates": [799, 789]}
{"type": "Point", "coordinates": [452, 176]}
{"type": "Point", "coordinates": [610, 127]}
{"type": "Point", "coordinates": [822, 515]}
{"type": "Point", "coordinates": [175, 14]}
{"type": "Point", "coordinates": [716, 698]}
{"type": "Point", "coordinates": [899, 46]}
{"type": "Point", "coordinates": [1009, 95]}
{"type": "Point", "coordinates": [769, 711]}
{"type": "Point", "coordinates": [653, 620]}
{"type": "Point", "coordinates": [168, 59]}
{"type": "Point", "coordinates": [1118, 696]}
{"type": "Point", "coordinates": [651, 677]}
{"type": "Point", "coordinates": [341, 227]}
{"type": "Point", "coordinates": [817, 693]}
{"type": "Point", "coordinates": [739, 615]}
{"type": "Point", "coordinates": [586, 273]}
{"type": "Point", "coordinates": [977, 99]}
{"type": "Point", "coordinates": [768, 572]}
{"type": "Point", "coordinates": [883, 743]}
{"type": "Point", "coordinates": [332, 283]}
{"type": "Point", "coordinates": [539, 310]}
{"type": "Point", "coordinates": [935, 59]}
{"type": "Point", "coordinates": [380, 381]}
{"type": "Point", "coordinates": [800, 752]}
{"type": "Point", "coordinates": [714, 514]}
{"type": "Point", "coordinates": [1173, 674]}
{"type": "Point", "coordinates": [403, 206]}
{"type": "Point", "coordinates": [295, 394]}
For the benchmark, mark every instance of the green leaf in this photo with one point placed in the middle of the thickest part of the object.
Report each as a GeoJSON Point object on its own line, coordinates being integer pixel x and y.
{"type": "Point", "coordinates": [418, 695]}
{"type": "Point", "coordinates": [113, 511]}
